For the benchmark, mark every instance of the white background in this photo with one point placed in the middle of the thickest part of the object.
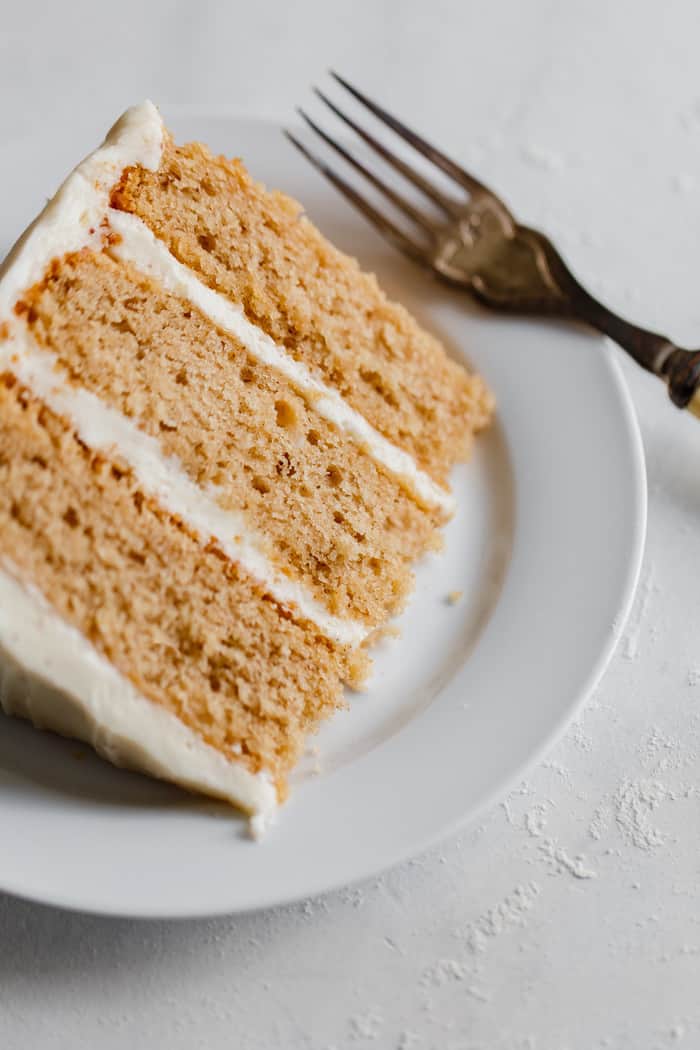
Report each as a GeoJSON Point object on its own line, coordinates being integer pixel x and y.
{"type": "Point", "coordinates": [568, 918]}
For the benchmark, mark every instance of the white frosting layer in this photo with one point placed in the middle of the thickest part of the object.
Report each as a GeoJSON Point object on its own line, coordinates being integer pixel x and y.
{"type": "Point", "coordinates": [71, 220]}
{"type": "Point", "coordinates": [53, 676]}
{"type": "Point", "coordinates": [104, 429]}
{"type": "Point", "coordinates": [148, 254]}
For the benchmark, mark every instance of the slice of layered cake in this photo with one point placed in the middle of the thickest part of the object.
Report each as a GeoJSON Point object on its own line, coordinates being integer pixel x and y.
{"type": "Point", "coordinates": [221, 450]}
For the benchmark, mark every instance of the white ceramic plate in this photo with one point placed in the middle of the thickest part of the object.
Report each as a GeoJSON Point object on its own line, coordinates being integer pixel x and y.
{"type": "Point", "coordinates": [546, 548]}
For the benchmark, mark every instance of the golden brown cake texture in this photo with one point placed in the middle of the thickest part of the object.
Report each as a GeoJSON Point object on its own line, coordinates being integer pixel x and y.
{"type": "Point", "coordinates": [240, 426]}
{"type": "Point", "coordinates": [193, 630]}
{"type": "Point", "coordinates": [258, 248]}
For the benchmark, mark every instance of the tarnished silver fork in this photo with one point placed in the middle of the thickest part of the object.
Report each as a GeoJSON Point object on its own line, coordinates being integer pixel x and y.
{"type": "Point", "coordinates": [477, 245]}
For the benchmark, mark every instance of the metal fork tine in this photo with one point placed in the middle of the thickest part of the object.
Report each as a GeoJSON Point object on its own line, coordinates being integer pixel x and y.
{"type": "Point", "coordinates": [385, 226]}
{"type": "Point", "coordinates": [435, 155]}
{"type": "Point", "coordinates": [449, 207]}
{"type": "Point", "coordinates": [396, 198]}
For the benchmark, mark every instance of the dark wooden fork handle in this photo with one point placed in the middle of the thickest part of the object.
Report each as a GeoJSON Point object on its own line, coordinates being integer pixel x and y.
{"type": "Point", "coordinates": [679, 368]}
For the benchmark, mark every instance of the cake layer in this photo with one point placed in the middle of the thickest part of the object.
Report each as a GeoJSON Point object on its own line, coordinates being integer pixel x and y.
{"type": "Point", "coordinates": [311, 299]}
{"type": "Point", "coordinates": [130, 239]}
{"type": "Point", "coordinates": [326, 510]}
{"type": "Point", "coordinates": [52, 675]}
{"type": "Point", "coordinates": [186, 625]}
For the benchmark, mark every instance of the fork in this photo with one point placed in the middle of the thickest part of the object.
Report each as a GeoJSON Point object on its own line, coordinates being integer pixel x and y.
{"type": "Point", "coordinates": [477, 245]}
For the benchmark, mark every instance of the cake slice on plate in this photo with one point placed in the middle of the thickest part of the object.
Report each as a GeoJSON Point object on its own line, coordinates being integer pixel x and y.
{"type": "Point", "coordinates": [221, 449]}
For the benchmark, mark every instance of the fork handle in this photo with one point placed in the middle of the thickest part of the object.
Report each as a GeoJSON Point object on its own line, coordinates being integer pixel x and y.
{"type": "Point", "coordinates": [680, 369]}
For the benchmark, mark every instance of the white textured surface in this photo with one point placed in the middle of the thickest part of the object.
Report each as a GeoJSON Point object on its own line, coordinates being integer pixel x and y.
{"type": "Point", "coordinates": [568, 918]}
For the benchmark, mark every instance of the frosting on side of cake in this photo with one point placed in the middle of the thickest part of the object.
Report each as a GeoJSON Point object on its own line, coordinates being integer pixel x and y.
{"type": "Point", "coordinates": [67, 686]}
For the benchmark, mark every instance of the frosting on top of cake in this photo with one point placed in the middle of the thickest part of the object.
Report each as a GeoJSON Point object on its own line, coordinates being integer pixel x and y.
{"type": "Point", "coordinates": [74, 217]}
